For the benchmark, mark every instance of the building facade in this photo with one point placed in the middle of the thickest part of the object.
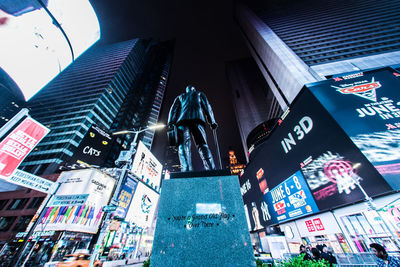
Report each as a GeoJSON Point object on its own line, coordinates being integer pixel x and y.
{"type": "Point", "coordinates": [118, 86]}
{"type": "Point", "coordinates": [297, 42]}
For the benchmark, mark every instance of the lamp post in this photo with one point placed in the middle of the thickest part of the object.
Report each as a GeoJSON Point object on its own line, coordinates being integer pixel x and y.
{"type": "Point", "coordinates": [125, 167]}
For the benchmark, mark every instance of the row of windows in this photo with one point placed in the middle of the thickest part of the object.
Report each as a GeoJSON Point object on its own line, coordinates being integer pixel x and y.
{"type": "Point", "coordinates": [20, 203]}
{"type": "Point", "coordinates": [20, 226]}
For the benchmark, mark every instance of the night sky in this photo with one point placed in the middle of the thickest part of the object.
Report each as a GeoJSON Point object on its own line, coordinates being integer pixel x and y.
{"type": "Point", "coordinates": [206, 37]}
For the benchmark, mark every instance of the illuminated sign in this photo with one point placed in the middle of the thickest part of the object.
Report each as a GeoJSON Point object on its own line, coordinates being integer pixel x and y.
{"type": "Point", "coordinates": [367, 107]}
{"type": "Point", "coordinates": [147, 167]}
{"type": "Point", "coordinates": [33, 50]}
{"type": "Point", "coordinates": [125, 197]}
{"type": "Point", "coordinates": [18, 144]}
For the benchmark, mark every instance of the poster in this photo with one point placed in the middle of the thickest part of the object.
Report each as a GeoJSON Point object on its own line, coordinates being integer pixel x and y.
{"type": "Point", "coordinates": [125, 197]}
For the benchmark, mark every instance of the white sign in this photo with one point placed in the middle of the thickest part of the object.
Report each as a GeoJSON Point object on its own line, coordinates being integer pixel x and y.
{"type": "Point", "coordinates": [32, 181]}
{"type": "Point", "coordinates": [69, 200]}
{"type": "Point", "coordinates": [143, 206]}
{"type": "Point", "coordinates": [82, 217]}
{"type": "Point", "coordinates": [322, 224]}
{"type": "Point", "coordinates": [147, 167]}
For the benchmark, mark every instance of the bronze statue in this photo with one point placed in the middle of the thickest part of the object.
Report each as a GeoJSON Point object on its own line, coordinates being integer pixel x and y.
{"type": "Point", "coordinates": [187, 117]}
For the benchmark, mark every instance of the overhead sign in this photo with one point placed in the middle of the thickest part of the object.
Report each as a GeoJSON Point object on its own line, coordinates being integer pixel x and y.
{"type": "Point", "coordinates": [143, 206]}
{"type": "Point", "coordinates": [367, 106]}
{"type": "Point", "coordinates": [83, 216]}
{"type": "Point", "coordinates": [147, 167]}
{"type": "Point", "coordinates": [32, 181]}
{"type": "Point", "coordinates": [94, 147]}
{"type": "Point", "coordinates": [69, 200]}
{"type": "Point", "coordinates": [18, 144]}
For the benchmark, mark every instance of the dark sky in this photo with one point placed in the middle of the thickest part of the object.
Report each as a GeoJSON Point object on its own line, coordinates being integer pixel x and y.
{"type": "Point", "coordinates": [206, 37]}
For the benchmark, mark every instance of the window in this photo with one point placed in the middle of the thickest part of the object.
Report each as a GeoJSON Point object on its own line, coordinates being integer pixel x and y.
{"type": "Point", "coordinates": [3, 203]}
{"type": "Point", "coordinates": [17, 204]}
{"type": "Point", "coordinates": [22, 223]}
{"type": "Point", "coordinates": [35, 203]}
{"type": "Point", "coordinates": [6, 222]}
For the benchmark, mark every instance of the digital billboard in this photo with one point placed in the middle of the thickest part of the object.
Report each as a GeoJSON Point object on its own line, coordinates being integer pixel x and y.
{"type": "Point", "coordinates": [367, 106]}
{"type": "Point", "coordinates": [147, 167]}
{"type": "Point", "coordinates": [309, 145]}
{"type": "Point", "coordinates": [94, 147]}
{"type": "Point", "coordinates": [125, 197]}
{"type": "Point", "coordinates": [33, 49]}
{"type": "Point", "coordinates": [143, 206]}
{"type": "Point", "coordinates": [78, 202]}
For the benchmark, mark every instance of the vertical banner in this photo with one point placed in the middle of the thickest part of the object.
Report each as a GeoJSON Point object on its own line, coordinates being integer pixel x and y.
{"type": "Point", "coordinates": [18, 144]}
{"type": "Point", "coordinates": [125, 197]}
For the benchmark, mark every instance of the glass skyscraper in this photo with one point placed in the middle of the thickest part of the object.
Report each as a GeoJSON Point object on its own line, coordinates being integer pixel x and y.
{"type": "Point", "coordinates": [118, 86]}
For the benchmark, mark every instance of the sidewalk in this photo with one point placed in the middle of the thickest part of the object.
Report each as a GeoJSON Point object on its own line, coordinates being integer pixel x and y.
{"type": "Point", "coordinates": [130, 262]}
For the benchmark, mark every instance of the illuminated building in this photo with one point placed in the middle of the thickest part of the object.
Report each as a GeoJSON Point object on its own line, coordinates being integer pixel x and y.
{"type": "Point", "coordinates": [118, 86]}
{"type": "Point", "coordinates": [297, 42]}
{"type": "Point", "coordinates": [234, 166]}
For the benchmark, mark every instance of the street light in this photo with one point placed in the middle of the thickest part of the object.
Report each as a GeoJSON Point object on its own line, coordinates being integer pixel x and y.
{"type": "Point", "coordinates": [125, 167]}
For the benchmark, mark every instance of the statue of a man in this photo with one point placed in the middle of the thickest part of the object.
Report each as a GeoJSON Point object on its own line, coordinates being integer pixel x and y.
{"type": "Point", "coordinates": [189, 114]}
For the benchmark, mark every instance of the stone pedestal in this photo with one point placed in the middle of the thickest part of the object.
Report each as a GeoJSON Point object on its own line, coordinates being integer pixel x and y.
{"type": "Point", "coordinates": [201, 222]}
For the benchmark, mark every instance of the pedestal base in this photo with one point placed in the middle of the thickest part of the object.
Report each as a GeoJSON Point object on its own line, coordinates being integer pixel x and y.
{"type": "Point", "coordinates": [201, 222]}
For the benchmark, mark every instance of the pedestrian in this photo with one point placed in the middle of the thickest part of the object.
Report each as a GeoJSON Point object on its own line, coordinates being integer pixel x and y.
{"type": "Point", "coordinates": [316, 255]}
{"type": "Point", "coordinates": [384, 260]}
{"type": "Point", "coordinates": [328, 256]}
{"type": "Point", "coordinates": [304, 253]}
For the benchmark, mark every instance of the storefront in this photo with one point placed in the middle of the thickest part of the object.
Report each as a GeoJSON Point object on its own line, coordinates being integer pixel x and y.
{"type": "Point", "coordinates": [363, 225]}
{"type": "Point", "coordinates": [71, 242]}
{"type": "Point", "coordinates": [315, 230]}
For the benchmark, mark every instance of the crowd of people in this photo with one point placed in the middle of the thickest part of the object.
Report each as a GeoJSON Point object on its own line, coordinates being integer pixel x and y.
{"type": "Point", "coordinates": [320, 252]}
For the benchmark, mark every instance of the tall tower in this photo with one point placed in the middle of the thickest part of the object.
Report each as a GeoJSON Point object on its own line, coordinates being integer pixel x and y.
{"type": "Point", "coordinates": [119, 86]}
{"type": "Point", "coordinates": [297, 42]}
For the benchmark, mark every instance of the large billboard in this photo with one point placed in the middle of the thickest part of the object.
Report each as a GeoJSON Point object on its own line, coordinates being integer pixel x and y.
{"type": "Point", "coordinates": [18, 144]}
{"type": "Point", "coordinates": [147, 167]}
{"type": "Point", "coordinates": [78, 202]}
{"type": "Point", "coordinates": [367, 106]}
{"type": "Point", "coordinates": [125, 197]}
{"type": "Point", "coordinates": [33, 49]}
{"type": "Point", "coordinates": [93, 148]}
{"type": "Point", "coordinates": [310, 146]}
{"type": "Point", "coordinates": [143, 206]}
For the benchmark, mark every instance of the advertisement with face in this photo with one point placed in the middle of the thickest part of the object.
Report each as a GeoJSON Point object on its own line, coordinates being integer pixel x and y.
{"type": "Point", "coordinates": [367, 106]}
{"type": "Point", "coordinates": [147, 167]}
{"type": "Point", "coordinates": [89, 185]}
{"type": "Point", "coordinates": [309, 140]}
{"type": "Point", "coordinates": [143, 206]}
{"type": "Point", "coordinates": [93, 148]}
{"type": "Point", "coordinates": [33, 49]}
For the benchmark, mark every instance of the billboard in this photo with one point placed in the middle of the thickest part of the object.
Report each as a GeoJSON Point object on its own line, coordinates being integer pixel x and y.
{"type": "Point", "coordinates": [125, 197]}
{"type": "Point", "coordinates": [93, 148]}
{"type": "Point", "coordinates": [310, 145]}
{"type": "Point", "coordinates": [78, 202]}
{"type": "Point", "coordinates": [143, 206]}
{"type": "Point", "coordinates": [18, 144]}
{"type": "Point", "coordinates": [367, 107]}
{"type": "Point", "coordinates": [33, 49]}
{"type": "Point", "coordinates": [147, 167]}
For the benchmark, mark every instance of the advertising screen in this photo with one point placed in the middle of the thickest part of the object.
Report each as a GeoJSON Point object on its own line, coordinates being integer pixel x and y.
{"type": "Point", "coordinates": [93, 148]}
{"type": "Point", "coordinates": [33, 50]}
{"type": "Point", "coordinates": [78, 202]}
{"type": "Point", "coordinates": [147, 167]}
{"type": "Point", "coordinates": [143, 206]}
{"type": "Point", "coordinates": [367, 106]}
{"type": "Point", "coordinates": [18, 144]}
{"type": "Point", "coordinates": [310, 141]}
{"type": "Point", "coordinates": [125, 197]}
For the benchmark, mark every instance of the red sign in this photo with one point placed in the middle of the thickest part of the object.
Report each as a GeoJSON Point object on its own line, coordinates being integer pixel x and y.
{"type": "Point", "coordinates": [314, 225]}
{"type": "Point", "coordinates": [18, 144]}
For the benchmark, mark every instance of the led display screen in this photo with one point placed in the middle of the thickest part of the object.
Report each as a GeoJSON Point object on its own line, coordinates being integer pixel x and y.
{"type": "Point", "coordinates": [367, 107]}
{"type": "Point", "coordinates": [33, 49]}
{"type": "Point", "coordinates": [310, 146]}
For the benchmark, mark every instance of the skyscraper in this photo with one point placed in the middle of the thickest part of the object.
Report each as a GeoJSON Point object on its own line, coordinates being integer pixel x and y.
{"type": "Point", "coordinates": [118, 86]}
{"type": "Point", "coordinates": [252, 98]}
{"type": "Point", "coordinates": [297, 42]}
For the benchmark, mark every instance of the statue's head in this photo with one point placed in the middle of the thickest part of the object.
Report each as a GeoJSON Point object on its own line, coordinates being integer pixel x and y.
{"type": "Point", "coordinates": [190, 88]}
